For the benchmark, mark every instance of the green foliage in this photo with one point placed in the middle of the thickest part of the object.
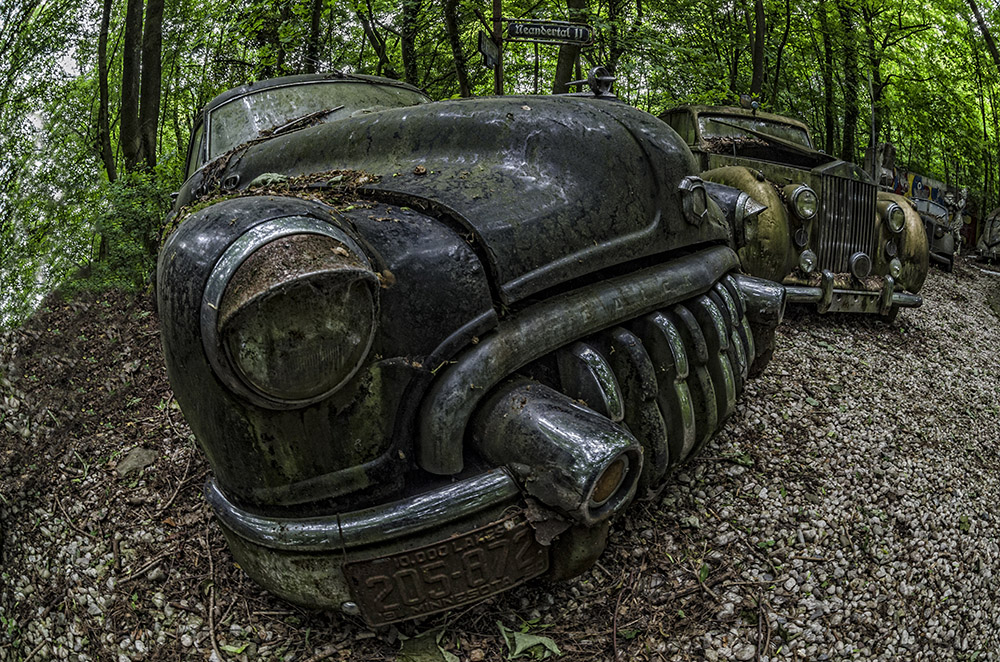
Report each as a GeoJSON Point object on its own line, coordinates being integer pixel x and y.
{"type": "Point", "coordinates": [925, 82]}
{"type": "Point", "coordinates": [128, 224]}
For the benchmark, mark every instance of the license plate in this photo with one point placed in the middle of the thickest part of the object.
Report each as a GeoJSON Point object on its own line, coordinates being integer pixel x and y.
{"type": "Point", "coordinates": [446, 574]}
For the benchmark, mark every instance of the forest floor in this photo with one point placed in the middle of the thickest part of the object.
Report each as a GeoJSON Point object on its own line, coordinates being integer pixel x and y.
{"type": "Point", "coordinates": [843, 512]}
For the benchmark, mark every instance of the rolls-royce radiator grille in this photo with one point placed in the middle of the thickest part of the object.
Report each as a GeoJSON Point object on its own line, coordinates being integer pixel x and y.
{"type": "Point", "coordinates": [847, 224]}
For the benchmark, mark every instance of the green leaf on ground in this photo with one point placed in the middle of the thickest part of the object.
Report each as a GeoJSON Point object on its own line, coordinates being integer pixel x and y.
{"type": "Point", "coordinates": [525, 644]}
{"type": "Point", "coordinates": [425, 647]}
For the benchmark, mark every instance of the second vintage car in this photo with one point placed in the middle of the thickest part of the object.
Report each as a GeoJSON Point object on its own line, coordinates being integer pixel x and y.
{"type": "Point", "coordinates": [433, 349]}
{"type": "Point", "coordinates": [828, 234]}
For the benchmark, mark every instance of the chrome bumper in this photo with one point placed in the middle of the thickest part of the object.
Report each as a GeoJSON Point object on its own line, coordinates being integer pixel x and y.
{"type": "Point", "coordinates": [829, 298]}
{"type": "Point", "coordinates": [301, 558]}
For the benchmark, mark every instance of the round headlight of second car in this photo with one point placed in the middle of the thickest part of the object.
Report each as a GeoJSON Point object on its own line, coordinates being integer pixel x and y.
{"type": "Point", "coordinates": [895, 267]}
{"type": "Point", "coordinates": [895, 217]}
{"type": "Point", "coordinates": [807, 261]}
{"type": "Point", "coordinates": [803, 201]}
{"type": "Point", "coordinates": [298, 317]}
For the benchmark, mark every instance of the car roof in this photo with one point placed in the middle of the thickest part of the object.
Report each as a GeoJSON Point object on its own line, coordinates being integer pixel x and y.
{"type": "Point", "coordinates": [741, 112]}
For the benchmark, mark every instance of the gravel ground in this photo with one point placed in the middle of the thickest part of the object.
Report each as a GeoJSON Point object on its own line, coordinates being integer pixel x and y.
{"type": "Point", "coordinates": [846, 511]}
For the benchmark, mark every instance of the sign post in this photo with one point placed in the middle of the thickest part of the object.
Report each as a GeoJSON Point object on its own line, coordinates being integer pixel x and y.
{"type": "Point", "coordinates": [498, 41]}
{"type": "Point", "coordinates": [530, 31]}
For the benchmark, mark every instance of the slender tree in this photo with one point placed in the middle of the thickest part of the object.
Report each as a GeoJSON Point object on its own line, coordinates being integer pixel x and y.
{"type": "Point", "coordinates": [103, 119]}
{"type": "Point", "coordinates": [150, 80]}
{"type": "Point", "coordinates": [131, 141]}
{"type": "Point", "coordinates": [758, 35]}
{"type": "Point", "coordinates": [569, 54]}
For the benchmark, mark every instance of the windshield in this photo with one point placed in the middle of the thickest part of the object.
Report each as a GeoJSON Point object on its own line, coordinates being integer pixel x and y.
{"type": "Point", "coordinates": [245, 118]}
{"type": "Point", "coordinates": [735, 126]}
{"type": "Point", "coordinates": [930, 208]}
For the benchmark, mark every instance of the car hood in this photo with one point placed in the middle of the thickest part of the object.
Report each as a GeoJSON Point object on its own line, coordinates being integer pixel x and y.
{"type": "Point", "coordinates": [546, 189]}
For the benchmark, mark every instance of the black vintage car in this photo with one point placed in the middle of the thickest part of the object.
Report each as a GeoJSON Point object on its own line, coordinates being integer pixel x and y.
{"type": "Point", "coordinates": [432, 349]}
{"type": "Point", "coordinates": [828, 234]}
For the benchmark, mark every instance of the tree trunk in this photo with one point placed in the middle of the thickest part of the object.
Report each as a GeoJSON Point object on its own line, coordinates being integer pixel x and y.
{"type": "Point", "coordinates": [103, 119]}
{"type": "Point", "coordinates": [877, 84]}
{"type": "Point", "coordinates": [781, 49]}
{"type": "Point", "coordinates": [312, 43]}
{"type": "Point", "coordinates": [757, 49]}
{"type": "Point", "coordinates": [568, 54]}
{"type": "Point", "coordinates": [455, 40]}
{"type": "Point", "coordinates": [408, 38]}
{"type": "Point", "coordinates": [849, 145]}
{"type": "Point", "coordinates": [987, 35]}
{"type": "Point", "coordinates": [619, 38]}
{"type": "Point", "coordinates": [149, 89]}
{"type": "Point", "coordinates": [385, 67]}
{"type": "Point", "coordinates": [829, 120]}
{"type": "Point", "coordinates": [131, 140]}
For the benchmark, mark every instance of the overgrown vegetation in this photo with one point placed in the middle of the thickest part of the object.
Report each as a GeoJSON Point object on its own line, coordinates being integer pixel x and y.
{"type": "Point", "coordinates": [97, 99]}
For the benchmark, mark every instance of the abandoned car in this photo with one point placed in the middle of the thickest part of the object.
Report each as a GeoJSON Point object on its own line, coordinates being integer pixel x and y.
{"type": "Point", "coordinates": [432, 349]}
{"type": "Point", "coordinates": [988, 244]}
{"type": "Point", "coordinates": [828, 234]}
{"type": "Point", "coordinates": [942, 235]}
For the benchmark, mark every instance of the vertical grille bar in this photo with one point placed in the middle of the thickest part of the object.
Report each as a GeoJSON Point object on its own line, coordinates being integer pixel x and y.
{"type": "Point", "coordinates": [847, 222]}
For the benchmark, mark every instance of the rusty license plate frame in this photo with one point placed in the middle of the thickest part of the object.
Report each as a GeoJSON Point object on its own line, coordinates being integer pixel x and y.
{"type": "Point", "coordinates": [449, 573]}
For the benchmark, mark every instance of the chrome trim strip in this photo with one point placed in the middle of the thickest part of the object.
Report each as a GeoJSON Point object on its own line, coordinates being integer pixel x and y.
{"type": "Point", "coordinates": [379, 524]}
{"type": "Point", "coordinates": [544, 327]}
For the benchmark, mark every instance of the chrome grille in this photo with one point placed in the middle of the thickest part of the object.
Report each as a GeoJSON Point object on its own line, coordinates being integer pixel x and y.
{"type": "Point", "coordinates": [847, 224]}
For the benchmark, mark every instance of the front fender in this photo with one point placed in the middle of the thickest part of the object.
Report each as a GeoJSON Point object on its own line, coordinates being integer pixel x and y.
{"type": "Point", "coordinates": [768, 251]}
{"type": "Point", "coordinates": [913, 250]}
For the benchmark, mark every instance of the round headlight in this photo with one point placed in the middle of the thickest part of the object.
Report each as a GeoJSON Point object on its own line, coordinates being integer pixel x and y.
{"type": "Point", "coordinates": [803, 201]}
{"type": "Point", "coordinates": [860, 265]}
{"type": "Point", "coordinates": [297, 317]}
{"type": "Point", "coordinates": [807, 261]}
{"type": "Point", "coordinates": [896, 218]}
{"type": "Point", "coordinates": [895, 267]}
{"type": "Point", "coordinates": [890, 249]}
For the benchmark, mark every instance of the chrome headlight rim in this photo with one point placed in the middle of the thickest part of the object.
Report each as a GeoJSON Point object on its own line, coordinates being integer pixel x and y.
{"type": "Point", "coordinates": [895, 267]}
{"type": "Point", "coordinates": [895, 218]}
{"type": "Point", "coordinates": [226, 266]}
{"type": "Point", "coordinates": [807, 261]}
{"type": "Point", "coordinates": [800, 199]}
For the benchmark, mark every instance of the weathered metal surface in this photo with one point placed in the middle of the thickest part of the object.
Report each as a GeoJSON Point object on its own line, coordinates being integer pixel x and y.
{"type": "Point", "coordinates": [264, 456]}
{"type": "Point", "coordinates": [847, 229]}
{"type": "Point", "coordinates": [446, 574]}
{"type": "Point", "coordinates": [559, 450]}
{"type": "Point", "coordinates": [630, 351]}
{"type": "Point", "coordinates": [542, 328]}
{"type": "Point", "coordinates": [768, 252]}
{"type": "Point", "coordinates": [518, 174]}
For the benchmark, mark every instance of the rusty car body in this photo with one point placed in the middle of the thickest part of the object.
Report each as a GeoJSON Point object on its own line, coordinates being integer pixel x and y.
{"type": "Point", "coordinates": [942, 233]}
{"type": "Point", "coordinates": [988, 244]}
{"type": "Point", "coordinates": [828, 234]}
{"type": "Point", "coordinates": [432, 349]}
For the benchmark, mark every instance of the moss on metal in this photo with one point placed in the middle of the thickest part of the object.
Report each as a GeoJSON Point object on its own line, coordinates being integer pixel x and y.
{"type": "Point", "coordinates": [337, 188]}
